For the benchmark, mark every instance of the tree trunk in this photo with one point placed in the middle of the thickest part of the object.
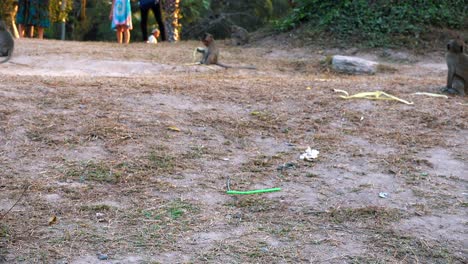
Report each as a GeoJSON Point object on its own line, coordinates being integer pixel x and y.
{"type": "Point", "coordinates": [172, 9]}
{"type": "Point", "coordinates": [83, 10]}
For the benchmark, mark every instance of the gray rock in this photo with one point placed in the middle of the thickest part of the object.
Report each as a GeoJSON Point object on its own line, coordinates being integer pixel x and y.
{"type": "Point", "coordinates": [102, 256]}
{"type": "Point", "coordinates": [353, 65]}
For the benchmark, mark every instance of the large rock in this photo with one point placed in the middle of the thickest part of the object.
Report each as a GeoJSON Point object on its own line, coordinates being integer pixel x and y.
{"type": "Point", "coordinates": [353, 65]}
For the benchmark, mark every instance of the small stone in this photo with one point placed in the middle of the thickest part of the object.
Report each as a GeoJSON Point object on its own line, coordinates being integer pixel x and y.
{"type": "Point", "coordinates": [264, 249]}
{"type": "Point", "coordinates": [353, 65]}
{"type": "Point", "coordinates": [102, 256]}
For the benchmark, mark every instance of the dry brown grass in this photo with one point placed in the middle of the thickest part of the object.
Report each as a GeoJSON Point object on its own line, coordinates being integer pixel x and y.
{"type": "Point", "coordinates": [97, 153]}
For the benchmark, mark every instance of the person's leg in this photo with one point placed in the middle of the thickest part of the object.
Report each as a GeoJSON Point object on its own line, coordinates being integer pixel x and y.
{"type": "Point", "coordinates": [126, 33]}
{"type": "Point", "coordinates": [119, 34]}
{"type": "Point", "coordinates": [40, 33]}
{"type": "Point", "coordinates": [158, 16]}
{"type": "Point", "coordinates": [31, 31]}
{"type": "Point", "coordinates": [144, 22]}
{"type": "Point", "coordinates": [21, 17]}
{"type": "Point", "coordinates": [21, 28]}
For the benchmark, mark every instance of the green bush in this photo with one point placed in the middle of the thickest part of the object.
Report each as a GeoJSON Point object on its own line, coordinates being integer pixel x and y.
{"type": "Point", "coordinates": [376, 20]}
{"type": "Point", "coordinates": [6, 10]}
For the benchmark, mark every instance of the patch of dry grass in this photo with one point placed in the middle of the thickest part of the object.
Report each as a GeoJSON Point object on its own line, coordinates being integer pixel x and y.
{"type": "Point", "coordinates": [98, 155]}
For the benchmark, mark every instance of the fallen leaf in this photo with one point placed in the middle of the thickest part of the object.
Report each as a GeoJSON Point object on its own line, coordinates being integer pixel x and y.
{"type": "Point", "coordinates": [53, 220]}
{"type": "Point", "coordinates": [174, 128]}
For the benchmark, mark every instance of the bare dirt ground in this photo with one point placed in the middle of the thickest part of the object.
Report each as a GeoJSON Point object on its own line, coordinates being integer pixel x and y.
{"type": "Point", "coordinates": [84, 137]}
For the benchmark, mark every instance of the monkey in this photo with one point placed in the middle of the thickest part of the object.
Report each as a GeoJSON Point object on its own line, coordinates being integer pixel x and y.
{"type": "Point", "coordinates": [7, 43]}
{"type": "Point", "coordinates": [211, 53]}
{"type": "Point", "coordinates": [457, 64]}
{"type": "Point", "coordinates": [239, 36]}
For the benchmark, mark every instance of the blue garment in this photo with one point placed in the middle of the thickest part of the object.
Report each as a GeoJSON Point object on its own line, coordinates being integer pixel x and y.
{"type": "Point", "coordinates": [33, 12]}
{"type": "Point", "coordinates": [122, 14]}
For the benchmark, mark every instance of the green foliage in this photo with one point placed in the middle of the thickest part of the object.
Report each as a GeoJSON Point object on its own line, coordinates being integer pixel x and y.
{"type": "Point", "coordinates": [56, 13]}
{"type": "Point", "coordinates": [263, 9]}
{"type": "Point", "coordinates": [376, 20]}
{"type": "Point", "coordinates": [193, 10]}
{"type": "Point", "coordinates": [6, 9]}
{"type": "Point", "coordinates": [280, 8]}
{"type": "Point", "coordinates": [245, 13]}
{"type": "Point", "coordinates": [97, 25]}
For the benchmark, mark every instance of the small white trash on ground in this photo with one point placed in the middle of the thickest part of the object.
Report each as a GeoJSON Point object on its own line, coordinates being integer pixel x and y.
{"type": "Point", "coordinates": [309, 154]}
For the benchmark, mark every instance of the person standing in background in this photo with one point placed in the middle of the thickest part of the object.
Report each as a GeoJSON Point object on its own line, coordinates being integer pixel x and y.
{"type": "Point", "coordinates": [21, 15]}
{"type": "Point", "coordinates": [33, 13]}
{"type": "Point", "coordinates": [145, 7]}
{"type": "Point", "coordinates": [121, 17]}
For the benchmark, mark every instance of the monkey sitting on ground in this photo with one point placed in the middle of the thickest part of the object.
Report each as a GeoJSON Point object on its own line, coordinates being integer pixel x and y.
{"type": "Point", "coordinates": [7, 43]}
{"type": "Point", "coordinates": [457, 63]}
{"type": "Point", "coordinates": [211, 53]}
{"type": "Point", "coordinates": [239, 36]}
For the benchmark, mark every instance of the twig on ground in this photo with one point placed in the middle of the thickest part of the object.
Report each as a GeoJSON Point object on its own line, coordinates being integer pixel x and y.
{"type": "Point", "coordinates": [17, 201]}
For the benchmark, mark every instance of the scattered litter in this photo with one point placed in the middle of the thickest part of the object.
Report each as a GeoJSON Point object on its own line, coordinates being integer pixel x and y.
{"type": "Point", "coordinates": [225, 159]}
{"type": "Point", "coordinates": [101, 217]}
{"type": "Point", "coordinates": [424, 174]}
{"type": "Point", "coordinates": [287, 165]}
{"type": "Point", "coordinates": [255, 113]}
{"type": "Point", "coordinates": [383, 195]}
{"type": "Point", "coordinates": [377, 95]}
{"type": "Point", "coordinates": [309, 154]}
{"type": "Point", "coordinates": [229, 191]}
{"type": "Point", "coordinates": [102, 256]}
{"type": "Point", "coordinates": [308, 88]}
{"type": "Point", "coordinates": [432, 94]}
{"type": "Point", "coordinates": [290, 144]}
{"type": "Point", "coordinates": [341, 91]}
{"type": "Point", "coordinates": [254, 191]}
{"type": "Point", "coordinates": [362, 118]}
{"type": "Point", "coordinates": [53, 220]}
{"type": "Point", "coordinates": [173, 128]}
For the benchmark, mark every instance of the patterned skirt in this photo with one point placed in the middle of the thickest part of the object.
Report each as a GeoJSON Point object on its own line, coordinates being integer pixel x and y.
{"type": "Point", "coordinates": [33, 13]}
{"type": "Point", "coordinates": [122, 14]}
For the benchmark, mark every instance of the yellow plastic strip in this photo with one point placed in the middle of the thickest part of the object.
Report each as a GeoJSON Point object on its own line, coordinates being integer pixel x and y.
{"type": "Point", "coordinates": [377, 95]}
{"type": "Point", "coordinates": [432, 94]}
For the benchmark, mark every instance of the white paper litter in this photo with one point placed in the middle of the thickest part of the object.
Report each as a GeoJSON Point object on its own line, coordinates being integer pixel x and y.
{"type": "Point", "coordinates": [309, 154]}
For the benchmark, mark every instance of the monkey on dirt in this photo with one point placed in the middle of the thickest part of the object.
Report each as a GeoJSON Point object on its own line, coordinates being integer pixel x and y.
{"type": "Point", "coordinates": [239, 36]}
{"type": "Point", "coordinates": [7, 43]}
{"type": "Point", "coordinates": [211, 53]}
{"type": "Point", "coordinates": [457, 64]}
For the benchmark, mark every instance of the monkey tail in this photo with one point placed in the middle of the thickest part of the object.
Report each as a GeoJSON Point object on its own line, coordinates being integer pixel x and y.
{"type": "Point", "coordinates": [248, 67]}
{"type": "Point", "coordinates": [223, 65]}
{"type": "Point", "coordinates": [236, 67]}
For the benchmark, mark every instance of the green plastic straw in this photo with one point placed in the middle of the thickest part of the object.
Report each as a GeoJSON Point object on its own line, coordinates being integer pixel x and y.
{"type": "Point", "coordinates": [254, 191]}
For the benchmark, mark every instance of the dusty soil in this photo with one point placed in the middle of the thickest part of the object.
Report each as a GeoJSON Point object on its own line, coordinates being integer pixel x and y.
{"type": "Point", "coordinates": [85, 136]}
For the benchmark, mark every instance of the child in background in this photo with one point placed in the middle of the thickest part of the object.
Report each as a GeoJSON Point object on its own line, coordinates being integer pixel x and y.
{"type": "Point", "coordinates": [153, 39]}
{"type": "Point", "coordinates": [121, 17]}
